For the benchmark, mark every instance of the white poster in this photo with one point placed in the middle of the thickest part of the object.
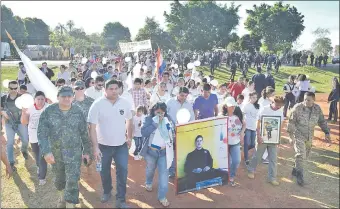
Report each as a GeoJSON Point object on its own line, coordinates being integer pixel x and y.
{"type": "Point", "coordinates": [135, 46]}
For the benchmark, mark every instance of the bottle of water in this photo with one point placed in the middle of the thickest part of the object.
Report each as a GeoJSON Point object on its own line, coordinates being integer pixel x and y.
{"type": "Point", "coordinates": [99, 166]}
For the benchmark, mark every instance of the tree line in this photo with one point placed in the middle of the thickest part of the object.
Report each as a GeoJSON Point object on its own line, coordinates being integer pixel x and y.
{"type": "Point", "coordinates": [195, 25]}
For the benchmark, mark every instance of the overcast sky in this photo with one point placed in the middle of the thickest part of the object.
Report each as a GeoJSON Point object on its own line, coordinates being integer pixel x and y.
{"type": "Point", "coordinates": [93, 15]}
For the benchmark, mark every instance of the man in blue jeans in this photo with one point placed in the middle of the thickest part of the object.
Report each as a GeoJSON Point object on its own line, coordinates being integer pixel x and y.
{"type": "Point", "coordinates": [13, 126]}
{"type": "Point", "coordinates": [109, 117]}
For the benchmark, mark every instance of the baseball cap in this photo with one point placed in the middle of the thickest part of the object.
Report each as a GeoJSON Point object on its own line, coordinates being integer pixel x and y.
{"type": "Point", "coordinates": [230, 102]}
{"type": "Point", "coordinates": [65, 91]}
{"type": "Point", "coordinates": [80, 84]}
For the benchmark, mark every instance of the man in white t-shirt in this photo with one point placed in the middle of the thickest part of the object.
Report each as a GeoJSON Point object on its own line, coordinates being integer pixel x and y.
{"type": "Point", "coordinates": [110, 117]}
{"type": "Point", "coordinates": [64, 74]}
{"type": "Point", "coordinates": [96, 91]}
{"type": "Point", "coordinates": [273, 109]}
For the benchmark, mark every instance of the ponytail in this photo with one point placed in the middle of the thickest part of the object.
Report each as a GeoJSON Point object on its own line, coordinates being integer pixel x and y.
{"type": "Point", "coordinates": [266, 91]}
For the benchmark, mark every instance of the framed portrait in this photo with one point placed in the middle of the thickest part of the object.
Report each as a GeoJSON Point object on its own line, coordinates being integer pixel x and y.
{"type": "Point", "coordinates": [270, 129]}
{"type": "Point", "coordinates": [201, 154]}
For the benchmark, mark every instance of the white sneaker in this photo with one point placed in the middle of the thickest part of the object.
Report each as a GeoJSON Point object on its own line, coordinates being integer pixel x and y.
{"type": "Point", "coordinates": [42, 182]}
{"type": "Point", "coordinates": [137, 157]}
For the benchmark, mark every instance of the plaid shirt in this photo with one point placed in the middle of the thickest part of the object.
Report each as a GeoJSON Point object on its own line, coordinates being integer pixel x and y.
{"type": "Point", "coordinates": [139, 97]}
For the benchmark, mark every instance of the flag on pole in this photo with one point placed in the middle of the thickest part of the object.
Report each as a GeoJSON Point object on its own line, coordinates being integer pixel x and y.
{"type": "Point", "coordinates": [160, 65]}
{"type": "Point", "coordinates": [38, 79]}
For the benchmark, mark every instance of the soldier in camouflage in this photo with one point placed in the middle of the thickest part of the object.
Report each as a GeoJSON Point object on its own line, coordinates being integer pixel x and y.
{"type": "Point", "coordinates": [80, 99]}
{"type": "Point", "coordinates": [303, 118]}
{"type": "Point", "coordinates": [62, 133]}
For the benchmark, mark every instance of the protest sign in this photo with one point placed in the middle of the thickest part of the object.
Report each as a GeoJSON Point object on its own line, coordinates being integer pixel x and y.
{"type": "Point", "coordinates": [201, 154]}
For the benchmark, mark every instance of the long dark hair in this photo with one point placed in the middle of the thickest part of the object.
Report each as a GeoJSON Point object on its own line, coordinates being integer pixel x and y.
{"type": "Point", "coordinates": [159, 105]}
{"type": "Point", "coordinates": [237, 112]}
{"type": "Point", "coordinates": [256, 104]}
{"type": "Point", "coordinates": [337, 85]}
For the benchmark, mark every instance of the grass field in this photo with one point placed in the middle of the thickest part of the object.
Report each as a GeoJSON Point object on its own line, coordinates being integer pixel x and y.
{"type": "Point", "coordinates": [320, 77]}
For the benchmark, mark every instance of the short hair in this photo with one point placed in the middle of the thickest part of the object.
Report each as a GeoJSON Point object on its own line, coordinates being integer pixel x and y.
{"type": "Point", "coordinates": [183, 90]}
{"type": "Point", "coordinates": [204, 80]}
{"type": "Point", "coordinates": [39, 93]}
{"type": "Point", "coordinates": [120, 84]}
{"type": "Point", "coordinates": [12, 82]}
{"type": "Point", "coordinates": [73, 79]}
{"type": "Point", "coordinates": [61, 80]}
{"type": "Point", "coordinates": [147, 82]}
{"type": "Point", "coordinates": [250, 83]}
{"type": "Point", "coordinates": [279, 99]}
{"type": "Point", "coordinates": [24, 87]}
{"type": "Point", "coordinates": [240, 96]}
{"type": "Point", "coordinates": [197, 137]}
{"type": "Point", "coordinates": [111, 82]}
{"type": "Point", "coordinates": [206, 87]}
{"type": "Point", "coordinates": [99, 78]}
{"type": "Point", "coordinates": [310, 94]}
{"type": "Point", "coordinates": [137, 80]}
{"type": "Point", "coordinates": [21, 63]}
{"type": "Point", "coordinates": [63, 66]}
{"type": "Point", "coordinates": [166, 73]}
{"type": "Point", "coordinates": [44, 63]}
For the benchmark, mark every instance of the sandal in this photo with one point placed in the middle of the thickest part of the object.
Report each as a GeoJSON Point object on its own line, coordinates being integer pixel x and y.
{"type": "Point", "coordinates": [165, 202]}
{"type": "Point", "coordinates": [148, 188]}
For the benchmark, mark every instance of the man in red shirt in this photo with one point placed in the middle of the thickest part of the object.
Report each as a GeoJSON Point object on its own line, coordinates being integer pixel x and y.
{"type": "Point", "coordinates": [237, 88]}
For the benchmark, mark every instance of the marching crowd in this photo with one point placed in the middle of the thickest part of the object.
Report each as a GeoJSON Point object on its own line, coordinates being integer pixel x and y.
{"type": "Point", "coordinates": [99, 112]}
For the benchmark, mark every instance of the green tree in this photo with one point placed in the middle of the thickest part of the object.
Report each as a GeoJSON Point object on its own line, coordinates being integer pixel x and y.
{"type": "Point", "coordinates": [278, 26]}
{"type": "Point", "coordinates": [15, 26]}
{"type": "Point", "coordinates": [336, 50]}
{"type": "Point", "coordinates": [38, 31]}
{"type": "Point", "coordinates": [70, 24]}
{"type": "Point", "coordinates": [250, 43]}
{"type": "Point", "coordinates": [201, 25]}
{"type": "Point", "coordinates": [322, 44]}
{"type": "Point", "coordinates": [115, 32]}
{"type": "Point", "coordinates": [158, 36]}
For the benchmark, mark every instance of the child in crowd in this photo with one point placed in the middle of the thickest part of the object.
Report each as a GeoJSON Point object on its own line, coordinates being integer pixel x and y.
{"type": "Point", "coordinates": [239, 100]}
{"type": "Point", "coordinates": [141, 112]}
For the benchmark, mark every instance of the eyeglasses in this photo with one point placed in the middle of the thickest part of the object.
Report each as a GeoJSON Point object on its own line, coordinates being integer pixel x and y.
{"type": "Point", "coordinates": [13, 88]}
{"type": "Point", "coordinates": [79, 88]}
{"type": "Point", "coordinates": [100, 85]}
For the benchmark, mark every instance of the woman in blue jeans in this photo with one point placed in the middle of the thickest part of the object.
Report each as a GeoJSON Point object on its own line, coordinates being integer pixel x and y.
{"type": "Point", "coordinates": [158, 132]}
{"type": "Point", "coordinates": [250, 111]}
{"type": "Point", "coordinates": [236, 128]}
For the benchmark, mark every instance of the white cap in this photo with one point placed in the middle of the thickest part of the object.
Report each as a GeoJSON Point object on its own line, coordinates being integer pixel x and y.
{"type": "Point", "coordinates": [230, 102]}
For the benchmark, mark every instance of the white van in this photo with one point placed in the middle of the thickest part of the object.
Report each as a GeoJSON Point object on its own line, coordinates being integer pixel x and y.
{"type": "Point", "coordinates": [5, 50]}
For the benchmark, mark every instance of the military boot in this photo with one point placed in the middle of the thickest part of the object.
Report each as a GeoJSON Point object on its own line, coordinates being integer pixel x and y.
{"type": "Point", "coordinates": [299, 177]}
{"type": "Point", "coordinates": [62, 202]}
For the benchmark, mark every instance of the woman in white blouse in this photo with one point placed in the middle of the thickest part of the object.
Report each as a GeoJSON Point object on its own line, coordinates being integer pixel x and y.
{"type": "Point", "coordinates": [160, 95]}
{"type": "Point", "coordinates": [303, 85]}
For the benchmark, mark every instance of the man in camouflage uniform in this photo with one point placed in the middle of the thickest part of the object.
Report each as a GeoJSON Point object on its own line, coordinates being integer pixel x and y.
{"type": "Point", "coordinates": [62, 133]}
{"type": "Point", "coordinates": [303, 118]}
{"type": "Point", "coordinates": [80, 99]}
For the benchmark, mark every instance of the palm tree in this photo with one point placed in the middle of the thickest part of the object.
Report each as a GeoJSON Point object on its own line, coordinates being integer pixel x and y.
{"type": "Point", "coordinates": [60, 27]}
{"type": "Point", "coordinates": [70, 25]}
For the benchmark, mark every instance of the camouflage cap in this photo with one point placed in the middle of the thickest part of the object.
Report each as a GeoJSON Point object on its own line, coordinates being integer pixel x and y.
{"type": "Point", "coordinates": [80, 84]}
{"type": "Point", "coordinates": [65, 91]}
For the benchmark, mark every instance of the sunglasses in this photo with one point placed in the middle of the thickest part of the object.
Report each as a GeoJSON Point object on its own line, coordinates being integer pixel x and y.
{"type": "Point", "coordinates": [79, 88]}
{"type": "Point", "coordinates": [13, 88]}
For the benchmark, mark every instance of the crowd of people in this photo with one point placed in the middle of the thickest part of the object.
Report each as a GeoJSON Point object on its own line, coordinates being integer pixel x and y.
{"type": "Point", "coordinates": [102, 107]}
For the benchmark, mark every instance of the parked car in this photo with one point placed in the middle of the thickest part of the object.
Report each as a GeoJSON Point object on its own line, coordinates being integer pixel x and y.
{"type": "Point", "coordinates": [335, 60]}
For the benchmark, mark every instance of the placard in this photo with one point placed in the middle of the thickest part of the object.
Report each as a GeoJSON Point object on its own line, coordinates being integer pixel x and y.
{"type": "Point", "coordinates": [135, 46]}
{"type": "Point", "coordinates": [201, 154]}
{"type": "Point", "coordinates": [270, 129]}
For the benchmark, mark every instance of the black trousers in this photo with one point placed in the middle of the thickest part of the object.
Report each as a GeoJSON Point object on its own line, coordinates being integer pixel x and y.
{"type": "Point", "coordinates": [333, 110]}
{"type": "Point", "coordinates": [289, 103]}
{"type": "Point", "coordinates": [301, 96]}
